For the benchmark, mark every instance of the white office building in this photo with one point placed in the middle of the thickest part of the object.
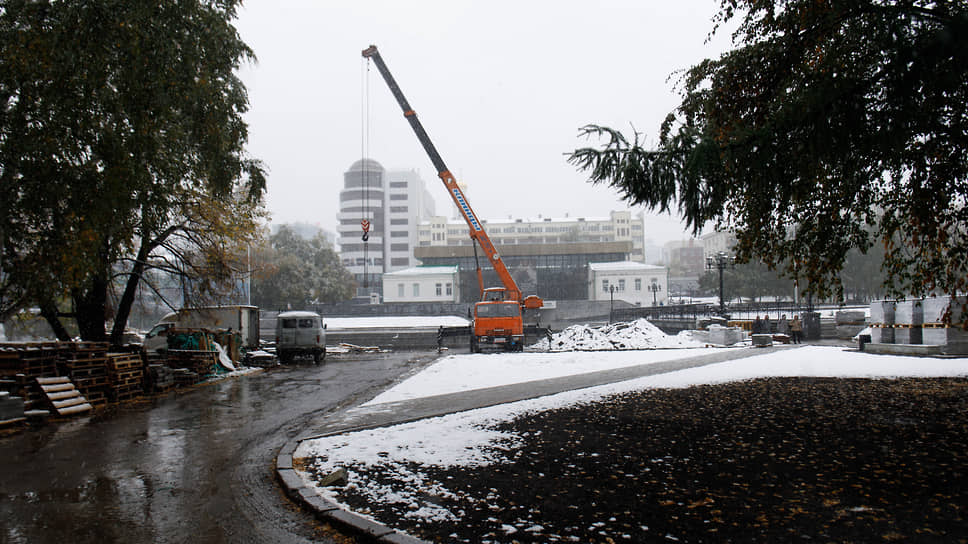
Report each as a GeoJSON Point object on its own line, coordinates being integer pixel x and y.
{"type": "Point", "coordinates": [394, 203]}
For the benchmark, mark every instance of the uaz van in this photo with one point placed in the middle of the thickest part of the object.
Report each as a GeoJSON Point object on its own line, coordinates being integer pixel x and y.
{"type": "Point", "coordinates": [300, 333]}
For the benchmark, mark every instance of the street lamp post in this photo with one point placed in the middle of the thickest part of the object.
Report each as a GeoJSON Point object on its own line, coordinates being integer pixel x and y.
{"type": "Point", "coordinates": [611, 302]}
{"type": "Point", "coordinates": [720, 261]}
{"type": "Point", "coordinates": [655, 288]}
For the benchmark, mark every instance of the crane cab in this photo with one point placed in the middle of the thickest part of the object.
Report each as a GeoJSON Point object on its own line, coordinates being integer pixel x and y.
{"type": "Point", "coordinates": [498, 324]}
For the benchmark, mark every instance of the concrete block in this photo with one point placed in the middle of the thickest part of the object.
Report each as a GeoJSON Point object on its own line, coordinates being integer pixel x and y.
{"type": "Point", "coordinates": [290, 480]}
{"type": "Point", "coordinates": [284, 461]}
{"type": "Point", "coordinates": [400, 538]}
{"type": "Point", "coordinates": [908, 312]}
{"type": "Point", "coordinates": [882, 335]}
{"type": "Point", "coordinates": [319, 504]}
{"type": "Point", "coordinates": [724, 336]}
{"type": "Point", "coordinates": [359, 523]}
{"type": "Point", "coordinates": [850, 317]}
{"type": "Point", "coordinates": [762, 340]}
{"type": "Point", "coordinates": [847, 332]}
{"type": "Point", "coordinates": [907, 335]}
{"type": "Point", "coordinates": [935, 309]}
{"type": "Point", "coordinates": [882, 312]}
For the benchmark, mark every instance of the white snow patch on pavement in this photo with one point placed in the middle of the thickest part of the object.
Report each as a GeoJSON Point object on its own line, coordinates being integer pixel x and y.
{"type": "Point", "coordinates": [457, 373]}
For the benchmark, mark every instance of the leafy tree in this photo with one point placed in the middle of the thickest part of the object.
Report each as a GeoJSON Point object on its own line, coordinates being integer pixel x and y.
{"type": "Point", "coordinates": [751, 281]}
{"type": "Point", "coordinates": [295, 272]}
{"type": "Point", "coordinates": [831, 125]}
{"type": "Point", "coordinates": [121, 149]}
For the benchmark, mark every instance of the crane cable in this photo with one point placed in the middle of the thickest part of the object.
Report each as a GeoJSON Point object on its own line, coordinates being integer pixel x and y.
{"type": "Point", "coordinates": [364, 151]}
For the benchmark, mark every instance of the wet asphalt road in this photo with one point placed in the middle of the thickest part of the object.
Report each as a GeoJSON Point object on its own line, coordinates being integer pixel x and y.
{"type": "Point", "coordinates": [191, 466]}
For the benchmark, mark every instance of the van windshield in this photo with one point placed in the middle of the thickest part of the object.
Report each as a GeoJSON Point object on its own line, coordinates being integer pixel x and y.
{"type": "Point", "coordinates": [289, 323]}
{"type": "Point", "coordinates": [506, 309]}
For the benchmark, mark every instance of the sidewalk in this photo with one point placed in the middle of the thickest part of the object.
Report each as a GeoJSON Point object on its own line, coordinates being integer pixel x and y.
{"type": "Point", "coordinates": [394, 413]}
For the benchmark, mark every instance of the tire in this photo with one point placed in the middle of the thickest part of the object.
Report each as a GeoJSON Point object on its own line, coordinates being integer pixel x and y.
{"type": "Point", "coordinates": [285, 357]}
{"type": "Point", "coordinates": [474, 347]}
{"type": "Point", "coordinates": [316, 356]}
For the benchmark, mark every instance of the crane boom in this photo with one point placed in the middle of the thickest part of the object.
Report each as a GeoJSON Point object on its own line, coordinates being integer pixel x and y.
{"type": "Point", "coordinates": [477, 232]}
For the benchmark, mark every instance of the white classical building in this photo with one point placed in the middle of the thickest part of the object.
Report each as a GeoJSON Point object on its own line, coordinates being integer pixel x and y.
{"type": "Point", "coordinates": [422, 284]}
{"type": "Point", "coordinates": [632, 282]}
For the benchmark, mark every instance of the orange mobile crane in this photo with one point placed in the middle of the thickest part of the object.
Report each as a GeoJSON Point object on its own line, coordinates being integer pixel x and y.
{"type": "Point", "coordinates": [497, 317]}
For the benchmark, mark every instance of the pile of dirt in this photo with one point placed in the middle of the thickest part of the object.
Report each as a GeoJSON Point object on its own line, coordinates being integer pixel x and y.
{"type": "Point", "coordinates": [769, 460]}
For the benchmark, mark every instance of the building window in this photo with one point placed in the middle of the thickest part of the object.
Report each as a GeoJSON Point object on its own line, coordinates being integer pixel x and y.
{"type": "Point", "coordinates": [638, 284]}
{"type": "Point", "coordinates": [416, 290]}
{"type": "Point", "coordinates": [403, 221]}
{"type": "Point", "coordinates": [398, 197]}
{"type": "Point", "coordinates": [399, 209]}
{"type": "Point", "coordinates": [621, 284]}
{"type": "Point", "coordinates": [605, 285]}
{"type": "Point", "coordinates": [400, 261]}
{"type": "Point", "coordinates": [399, 234]}
{"type": "Point", "coordinates": [398, 184]}
{"type": "Point", "coordinates": [399, 247]}
{"type": "Point", "coordinates": [400, 289]}
{"type": "Point", "coordinates": [450, 289]}
{"type": "Point", "coordinates": [440, 289]}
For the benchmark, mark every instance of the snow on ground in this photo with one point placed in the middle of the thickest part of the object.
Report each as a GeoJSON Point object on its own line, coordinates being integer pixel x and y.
{"type": "Point", "coordinates": [394, 322]}
{"type": "Point", "coordinates": [467, 372]}
{"type": "Point", "coordinates": [469, 438]}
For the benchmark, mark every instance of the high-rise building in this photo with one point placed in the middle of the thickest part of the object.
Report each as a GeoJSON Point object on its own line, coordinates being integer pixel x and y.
{"type": "Point", "coordinates": [393, 202]}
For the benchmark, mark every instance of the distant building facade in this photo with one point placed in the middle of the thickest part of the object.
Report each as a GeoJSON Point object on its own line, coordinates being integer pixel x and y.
{"type": "Point", "coordinates": [715, 242]}
{"type": "Point", "coordinates": [551, 271]}
{"type": "Point", "coordinates": [394, 203]}
{"type": "Point", "coordinates": [632, 282]}
{"type": "Point", "coordinates": [619, 226]}
{"type": "Point", "coordinates": [422, 284]}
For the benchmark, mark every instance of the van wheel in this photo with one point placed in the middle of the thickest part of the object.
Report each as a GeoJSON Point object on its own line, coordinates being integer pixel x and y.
{"type": "Point", "coordinates": [285, 357]}
{"type": "Point", "coordinates": [316, 356]}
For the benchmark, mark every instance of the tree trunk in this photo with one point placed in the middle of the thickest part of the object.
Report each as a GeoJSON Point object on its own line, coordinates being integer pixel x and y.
{"type": "Point", "coordinates": [90, 309]}
{"type": "Point", "coordinates": [127, 298]}
{"type": "Point", "coordinates": [48, 310]}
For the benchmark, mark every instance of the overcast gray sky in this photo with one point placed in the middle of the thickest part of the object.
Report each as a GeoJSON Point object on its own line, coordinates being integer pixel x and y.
{"type": "Point", "coordinates": [501, 87]}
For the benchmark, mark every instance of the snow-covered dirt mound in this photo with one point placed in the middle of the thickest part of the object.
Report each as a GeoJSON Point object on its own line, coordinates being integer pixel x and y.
{"type": "Point", "coordinates": [638, 334]}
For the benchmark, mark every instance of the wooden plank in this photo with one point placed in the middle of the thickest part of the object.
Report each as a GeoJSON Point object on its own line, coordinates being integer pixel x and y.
{"type": "Point", "coordinates": [61, 395]}
{"type": "Point", "coordinates": [79, 409]}
{"type": "Point", "coordinates": [58, 387]}
{"type": "Point", "coordinates": [53, 381]}
{"type": "Point", "coordinates": [60, 405]}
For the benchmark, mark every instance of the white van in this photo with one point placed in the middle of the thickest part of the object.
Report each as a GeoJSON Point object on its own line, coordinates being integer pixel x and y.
{"type": "Point", "coordinates": [300, 333]}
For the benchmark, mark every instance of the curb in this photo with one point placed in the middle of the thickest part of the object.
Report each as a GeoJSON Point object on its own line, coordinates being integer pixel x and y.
{"type": "Point", "coordinates": [326, 510]}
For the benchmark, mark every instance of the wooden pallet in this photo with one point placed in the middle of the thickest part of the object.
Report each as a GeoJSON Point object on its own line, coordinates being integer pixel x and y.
{"type": "Point", "coordinates": [63, 397]}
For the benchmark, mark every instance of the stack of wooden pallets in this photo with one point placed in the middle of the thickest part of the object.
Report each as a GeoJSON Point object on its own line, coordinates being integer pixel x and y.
{"type": "Point", "coordinates": [21, 364]}
{"type": "Point", "coordinates": [85, 363]}
{"type": "Point", "coordinates": [126, 376]}
{"type": "Point", "coordinates": [202, 363]}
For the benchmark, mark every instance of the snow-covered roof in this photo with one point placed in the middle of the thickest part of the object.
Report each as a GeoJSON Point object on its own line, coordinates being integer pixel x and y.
{"type": "Point", "coordinates": [623, 266]}
{"type": "Point", "coordinates": [423, 270]}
